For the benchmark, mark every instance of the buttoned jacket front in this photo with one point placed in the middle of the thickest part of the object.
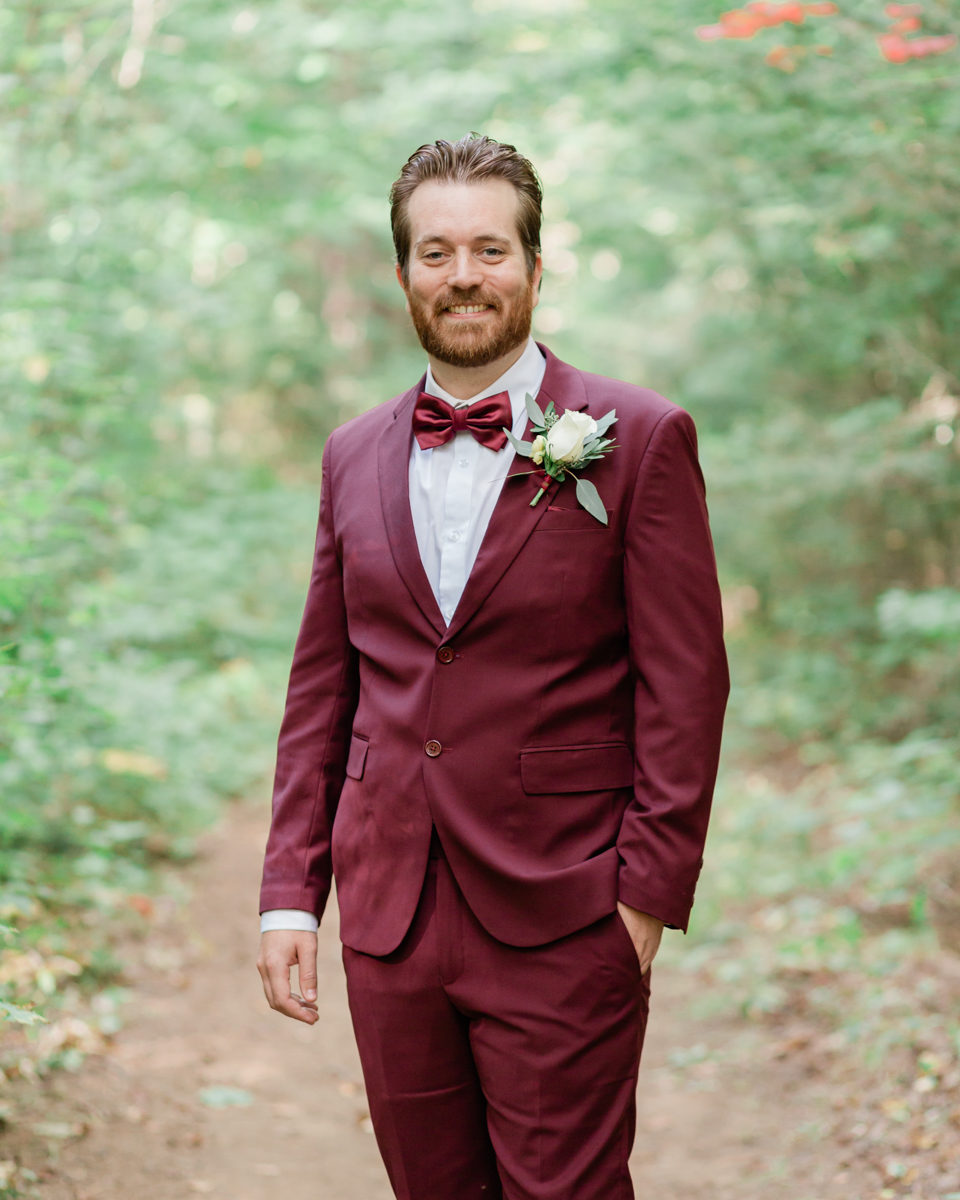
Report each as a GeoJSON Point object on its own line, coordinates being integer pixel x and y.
{"type": "Point", "coordinates": [561, 734]}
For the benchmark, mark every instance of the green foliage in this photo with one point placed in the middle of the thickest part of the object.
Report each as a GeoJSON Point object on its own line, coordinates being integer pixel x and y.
{"type": "Point", "coordinates": [197, 287]}
{"type": "Point", "coordinates": [149, 585]}
{"type": "Point", "coordinates": [19, 1016]}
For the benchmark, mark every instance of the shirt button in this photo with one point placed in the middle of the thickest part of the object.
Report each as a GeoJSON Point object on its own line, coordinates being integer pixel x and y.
{"type": "Point", "coordinates": [434, 749]}
{"type": "Point", "coordinates": [455, 536]}
{"type": "Point", "coordinates": [463, 463]}
{"type": "Point", "coordinates": [445, 654]}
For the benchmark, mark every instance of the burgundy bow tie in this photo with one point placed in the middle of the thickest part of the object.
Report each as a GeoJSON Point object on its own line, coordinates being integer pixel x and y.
{"type": "Point", "coordinates": [435, 421]}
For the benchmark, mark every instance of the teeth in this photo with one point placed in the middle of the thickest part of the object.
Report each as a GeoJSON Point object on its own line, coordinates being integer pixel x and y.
{"type": "Point", "coordinates": [469, 308]}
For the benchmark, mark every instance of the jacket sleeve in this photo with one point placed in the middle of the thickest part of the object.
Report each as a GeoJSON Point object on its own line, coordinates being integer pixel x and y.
{"type": "Point", "coordinates": [315, 733]}
{"type": "Point", "coordinates": [675, 631]}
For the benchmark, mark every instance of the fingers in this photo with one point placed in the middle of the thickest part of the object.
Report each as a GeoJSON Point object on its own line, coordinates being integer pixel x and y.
{"type": "Point", "coordinates": [645, 933]}
{"type": "Point", "coordinates": [281, 949]}
{"type": "Point", "coordinates": [647, 953]}
{"type": "Point", "coordinates": [307, 969]}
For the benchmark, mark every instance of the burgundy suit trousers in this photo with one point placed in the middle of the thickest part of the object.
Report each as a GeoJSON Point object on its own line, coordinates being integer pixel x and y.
{"type": "Point", "coordinates": [499, 1072]}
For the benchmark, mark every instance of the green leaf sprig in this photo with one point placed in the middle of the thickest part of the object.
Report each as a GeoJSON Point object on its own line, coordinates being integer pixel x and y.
{"type": "Point", "coordinates": [557, 437]}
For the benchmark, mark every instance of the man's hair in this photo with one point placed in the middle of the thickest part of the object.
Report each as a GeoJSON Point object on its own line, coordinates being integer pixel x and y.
{"type": "Point", "coordinates": [473, 159]}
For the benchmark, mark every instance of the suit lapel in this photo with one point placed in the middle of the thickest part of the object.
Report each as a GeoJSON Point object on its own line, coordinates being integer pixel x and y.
{"type": "Point", "coordinates": [394, 472]}
{"type": "Point", "coordinates": [513, 519]}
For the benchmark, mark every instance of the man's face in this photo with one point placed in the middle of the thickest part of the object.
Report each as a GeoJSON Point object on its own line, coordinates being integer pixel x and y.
{"type": "Point", "coordinates": [468, 291]}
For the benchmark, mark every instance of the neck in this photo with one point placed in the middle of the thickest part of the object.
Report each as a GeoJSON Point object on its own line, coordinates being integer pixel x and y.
{"type": "Point", "coordinates": [465, 382]}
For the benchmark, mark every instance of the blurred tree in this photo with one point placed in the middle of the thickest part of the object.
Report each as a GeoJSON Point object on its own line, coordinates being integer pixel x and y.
{"type": "Point", "coordinates": [197, 286]}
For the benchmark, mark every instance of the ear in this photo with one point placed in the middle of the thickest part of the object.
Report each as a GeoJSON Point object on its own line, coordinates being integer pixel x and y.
{"type": "Point", "coordinates": [402, 284]}
{"type": "Point", "coordinates": [537, 279]}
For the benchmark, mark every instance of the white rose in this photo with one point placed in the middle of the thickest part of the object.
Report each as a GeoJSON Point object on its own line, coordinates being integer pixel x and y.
{"type": "Point", "coordinates": [538, 446]}
{"type": "Point", "coordinates": [565, 439]}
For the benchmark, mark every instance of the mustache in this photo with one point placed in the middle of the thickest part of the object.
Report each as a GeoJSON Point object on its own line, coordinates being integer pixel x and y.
{"type": "Point", "coordinates": [474, 295]}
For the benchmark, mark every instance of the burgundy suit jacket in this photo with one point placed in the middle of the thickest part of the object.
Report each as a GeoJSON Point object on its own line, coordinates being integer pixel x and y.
{"type": "Point", "coordinates": [576, 697]}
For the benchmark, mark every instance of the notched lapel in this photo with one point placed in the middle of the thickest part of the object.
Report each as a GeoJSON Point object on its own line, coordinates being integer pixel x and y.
{"type": "Point", "coordinates": [512, 523]}
{"type": "Point", "coordinates": [393, 463]}
{"type": "Point", "coordinates": [562, 384]}
{"type": "Point", "coordinates": [513, 519]}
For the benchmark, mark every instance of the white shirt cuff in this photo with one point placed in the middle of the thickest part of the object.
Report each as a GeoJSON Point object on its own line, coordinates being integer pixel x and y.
{"type": "Point", "coordinates": [288, 918]}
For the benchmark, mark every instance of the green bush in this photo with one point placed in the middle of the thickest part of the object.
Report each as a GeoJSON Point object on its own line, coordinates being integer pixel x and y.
{"type": "Point", "coordinates": [197, 288]}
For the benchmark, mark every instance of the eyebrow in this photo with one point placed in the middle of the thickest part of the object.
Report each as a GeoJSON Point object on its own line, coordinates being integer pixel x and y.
{"type": "Point", "coordinates": [481, 237]}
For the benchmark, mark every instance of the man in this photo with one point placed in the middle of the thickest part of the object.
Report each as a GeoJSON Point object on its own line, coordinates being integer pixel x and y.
{"type": "Point", "coordinates": [502, 728]}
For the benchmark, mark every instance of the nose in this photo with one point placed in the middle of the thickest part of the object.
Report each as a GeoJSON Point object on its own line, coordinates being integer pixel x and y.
{"type": "Point", "coordinates": [465, 271]}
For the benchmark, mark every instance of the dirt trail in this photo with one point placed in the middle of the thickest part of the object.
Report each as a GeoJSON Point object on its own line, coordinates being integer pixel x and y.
{"type": "Point", "coordinates": [720, 1118]}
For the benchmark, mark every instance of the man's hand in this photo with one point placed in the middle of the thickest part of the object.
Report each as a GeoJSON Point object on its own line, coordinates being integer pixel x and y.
{"type": "Point", "coordinates": [645, 933]}
{"type": "Point", "coordinates": [281, 949]}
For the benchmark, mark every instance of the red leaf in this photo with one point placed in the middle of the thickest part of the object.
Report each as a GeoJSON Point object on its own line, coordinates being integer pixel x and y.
{"type": "Point", "coordinates": [781, 58]}
{"type": "Point", "coordinates": [759, 14]}
{"type": "Point", "coordinates": [141, 904]}
{"type": "Point", "coordinates": [897, 49]}
{"type": "Point", "coordinates": [776, 14]}
{"type": "Point", "coordinates": [740, 24]}
{"type": "Point", "coordinates": [792, 12]}
{"type": "Point", "coordinates": [893, 48]}
{"type": "Point", "coordinates": [906, 25]}
{"type": "Point", "coordinates": [922, 47]}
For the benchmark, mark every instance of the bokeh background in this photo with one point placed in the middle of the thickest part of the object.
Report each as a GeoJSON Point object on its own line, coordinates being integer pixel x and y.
{"type": "Point", "coordinates": [196, 286]}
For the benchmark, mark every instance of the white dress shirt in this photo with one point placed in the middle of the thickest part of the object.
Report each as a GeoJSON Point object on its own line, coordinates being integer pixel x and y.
{"type": "Point", "coordinates": [453, 491]}
{"type": "Point", "coordinates": [454, 488]}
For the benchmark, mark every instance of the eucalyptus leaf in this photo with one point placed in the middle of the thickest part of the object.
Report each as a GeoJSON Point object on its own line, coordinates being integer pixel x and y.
{"type": "Point", "coordinates": [523, 448]}
{"type": "Point", "coordinates": [533, 411]}
{"type": "Point", "coordinates": [604, 422]}
{"type": "Point", "coordinates": [589, 497]}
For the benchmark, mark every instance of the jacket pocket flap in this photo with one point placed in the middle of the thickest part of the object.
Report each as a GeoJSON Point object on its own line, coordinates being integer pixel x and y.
{"type": "Point", "coordinates": [596, 768]}
{"type": "Point", "coordinates": [357, 756]}
{"type": "Point", "coordinates": [555, 520]}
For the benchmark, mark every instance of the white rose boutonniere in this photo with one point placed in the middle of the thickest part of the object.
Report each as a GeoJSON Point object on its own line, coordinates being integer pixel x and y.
{"type": "Point", "coordinates": [565, 444]}
{"type": "Point", "coordinates": [565, 439]}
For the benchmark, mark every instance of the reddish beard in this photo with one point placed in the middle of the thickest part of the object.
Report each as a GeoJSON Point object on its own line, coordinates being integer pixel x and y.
{"type": "Point", "coordinates": [468, 343]}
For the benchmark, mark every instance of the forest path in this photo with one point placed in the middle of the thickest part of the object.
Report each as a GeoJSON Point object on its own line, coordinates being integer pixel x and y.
{"type": "Point", "coordinates": [721, 1117]}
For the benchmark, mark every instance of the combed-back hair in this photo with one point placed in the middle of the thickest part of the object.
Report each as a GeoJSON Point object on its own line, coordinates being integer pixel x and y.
{"type": "Point", "coordinates": [472, 159]}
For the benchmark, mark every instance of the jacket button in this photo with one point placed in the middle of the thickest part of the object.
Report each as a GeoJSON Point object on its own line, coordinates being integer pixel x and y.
{"type": "Point", "coordinates": [434, 749]}
{"type": "Point", "coordinates": [445, 654]}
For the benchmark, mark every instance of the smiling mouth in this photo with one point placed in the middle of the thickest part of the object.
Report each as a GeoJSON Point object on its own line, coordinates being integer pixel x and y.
{"type": "Point", "coordinates": [464, 310]}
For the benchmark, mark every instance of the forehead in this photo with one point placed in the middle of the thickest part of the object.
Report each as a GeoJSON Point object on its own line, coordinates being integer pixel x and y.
{"type": "Point", "coordinates": [458, 212]}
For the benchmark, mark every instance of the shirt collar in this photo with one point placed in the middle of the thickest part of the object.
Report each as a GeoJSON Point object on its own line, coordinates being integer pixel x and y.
{"type": "Point", "coordinates": [524, 376]}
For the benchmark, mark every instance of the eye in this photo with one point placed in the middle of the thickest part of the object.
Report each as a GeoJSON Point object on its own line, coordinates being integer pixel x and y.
{"type": "Point", "coordinates": [433, 255]}
{"type": "Point", "coordinates": [492, 252]}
